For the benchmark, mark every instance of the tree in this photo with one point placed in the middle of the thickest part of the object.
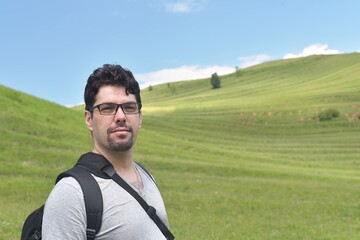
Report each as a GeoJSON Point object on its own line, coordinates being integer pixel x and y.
{"type": "Point", "coordinates": [238, 71]}
{"type": "Point", "coordinates": [215, 80]}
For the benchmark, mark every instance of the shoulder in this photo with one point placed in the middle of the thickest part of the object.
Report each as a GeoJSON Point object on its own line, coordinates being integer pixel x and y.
{"type": "Point", "coordinates": [64, 212]}
{"type": "Point", "coordinates": [67, 185]}
{"type": "Point", "coordinates": [66, 192]}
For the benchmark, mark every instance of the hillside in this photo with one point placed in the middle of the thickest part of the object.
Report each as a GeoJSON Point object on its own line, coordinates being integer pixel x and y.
{"type": "Point", "coordinates": [255, 148]}
{"type": "Point", "coordinates": [250, 160]}
{"type": "Point", "coordinates": [272, 107]}
{"type": "Point", "coordinates": [38, 140]}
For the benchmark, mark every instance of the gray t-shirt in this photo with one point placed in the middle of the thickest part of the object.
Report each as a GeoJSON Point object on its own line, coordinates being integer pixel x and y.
{"type": "Point", "coordinates": [123, 217]}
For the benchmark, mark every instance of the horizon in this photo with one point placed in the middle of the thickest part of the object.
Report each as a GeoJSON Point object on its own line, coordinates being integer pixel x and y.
{"type": "Point", "coordinates": [49, 49]}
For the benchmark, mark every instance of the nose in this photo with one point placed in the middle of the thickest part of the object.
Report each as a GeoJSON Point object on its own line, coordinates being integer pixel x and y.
{"type": "Point", "coordinates": [120, 115]}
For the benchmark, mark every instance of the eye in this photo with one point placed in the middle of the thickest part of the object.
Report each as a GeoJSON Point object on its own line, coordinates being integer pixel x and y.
{"type": "Point", "coordinates": [130, 107]}
{"type": "Point", "coordinates": [107, 108]}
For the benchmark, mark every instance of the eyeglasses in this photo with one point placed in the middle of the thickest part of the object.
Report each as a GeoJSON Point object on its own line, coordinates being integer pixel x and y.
{"type": "Point", "coordinates": [112, 108]}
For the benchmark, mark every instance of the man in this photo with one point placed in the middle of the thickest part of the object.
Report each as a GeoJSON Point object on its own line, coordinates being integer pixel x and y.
{"type": "Point", "coordinates": [113, 116]}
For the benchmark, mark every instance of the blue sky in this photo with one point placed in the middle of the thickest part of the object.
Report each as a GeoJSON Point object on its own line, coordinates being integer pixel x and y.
{"type": "Point", "coordinates": [49, 48]}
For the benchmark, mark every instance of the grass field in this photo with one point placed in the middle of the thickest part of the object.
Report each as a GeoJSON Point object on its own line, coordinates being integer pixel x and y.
{"type": "Point", "coordinates": [250, 160]}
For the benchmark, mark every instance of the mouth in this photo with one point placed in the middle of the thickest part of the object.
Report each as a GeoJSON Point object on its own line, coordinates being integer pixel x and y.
{"type": "Point", "coordinates": [119, 130]}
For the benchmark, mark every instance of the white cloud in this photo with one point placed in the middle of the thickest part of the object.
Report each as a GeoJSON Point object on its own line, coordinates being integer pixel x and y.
{"type": "Point", "coordinates": [253, 60]}
{"type": "Point", "coordinates": [184, 6]}
{"type": "Point", "coordinates": [178, 7]}
{"type": "Point", "coordinates": [315, 49]}
{"type": "Point", "coordinates": [179, 74]}
{"type": "Point", "coordinates": [74, 105]}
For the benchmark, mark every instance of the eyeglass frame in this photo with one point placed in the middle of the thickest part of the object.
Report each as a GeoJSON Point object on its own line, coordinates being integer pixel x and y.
{"type": "Point", "coordinates": [138, 106]}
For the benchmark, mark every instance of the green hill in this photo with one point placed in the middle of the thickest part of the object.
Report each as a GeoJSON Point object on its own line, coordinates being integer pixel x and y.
{"type": "Point", "coordinates": [250, 160]}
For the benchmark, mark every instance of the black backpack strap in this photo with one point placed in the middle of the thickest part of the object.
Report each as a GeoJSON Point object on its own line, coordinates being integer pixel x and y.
{"type": "Point", "coordinates": [151, 211]}
{"type": "Point", "coordinates": [92, 197]}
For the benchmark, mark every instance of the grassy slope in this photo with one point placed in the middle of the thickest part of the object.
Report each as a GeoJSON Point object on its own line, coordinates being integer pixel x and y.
{"type": "Point", "coordinates": [38, 140]}
{"type": "Point", "coordinates": [248, 160]}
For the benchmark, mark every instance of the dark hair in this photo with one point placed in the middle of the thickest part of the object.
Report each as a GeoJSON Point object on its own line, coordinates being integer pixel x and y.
{"type": "Point", "coordinates": [113, 75]}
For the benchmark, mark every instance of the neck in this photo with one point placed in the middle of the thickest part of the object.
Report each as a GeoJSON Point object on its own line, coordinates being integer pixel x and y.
{"type": "Point", "coordinates": [122, 161]}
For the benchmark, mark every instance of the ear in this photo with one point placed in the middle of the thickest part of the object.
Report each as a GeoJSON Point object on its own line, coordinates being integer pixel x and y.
{"type": "Point", "coordinates": [140, 119]}
{"type": "Point", "coordinates": [88, 120]}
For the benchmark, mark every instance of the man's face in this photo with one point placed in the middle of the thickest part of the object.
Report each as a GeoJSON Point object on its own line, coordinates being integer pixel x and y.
{"type": "Point", "coordinates": [113, 132]}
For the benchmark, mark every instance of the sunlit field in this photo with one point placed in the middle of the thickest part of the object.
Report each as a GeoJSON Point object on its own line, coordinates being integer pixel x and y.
{"type": "Point", "coordinates": [250, 160]}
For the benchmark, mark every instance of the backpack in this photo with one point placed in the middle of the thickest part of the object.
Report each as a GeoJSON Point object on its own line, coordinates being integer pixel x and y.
{"type": "Point", "coordinates": [93, 204]}
{"type": "Point", "coordinates": [90, 163]}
